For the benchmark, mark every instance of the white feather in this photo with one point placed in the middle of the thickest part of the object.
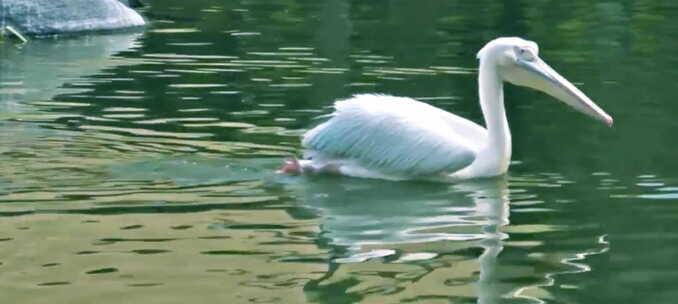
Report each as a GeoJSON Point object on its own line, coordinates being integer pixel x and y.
{"type": "Point", "coordinates": [395, 136]}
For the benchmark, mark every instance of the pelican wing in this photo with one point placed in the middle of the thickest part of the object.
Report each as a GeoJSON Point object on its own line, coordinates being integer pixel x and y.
{"type": "Point", "coordinates": [395, 135]}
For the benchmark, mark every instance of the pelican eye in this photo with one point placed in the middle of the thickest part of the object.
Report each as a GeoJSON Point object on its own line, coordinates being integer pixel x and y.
{"type": "Point", "coordinates": [525, 54]}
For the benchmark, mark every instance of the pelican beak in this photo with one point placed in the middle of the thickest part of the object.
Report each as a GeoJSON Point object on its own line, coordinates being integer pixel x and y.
{"type": "Point", "coordinates": [541, 76]}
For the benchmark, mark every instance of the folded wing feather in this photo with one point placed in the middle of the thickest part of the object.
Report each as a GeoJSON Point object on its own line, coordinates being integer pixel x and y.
{"type": "Point", "coordinates": [394, 135]}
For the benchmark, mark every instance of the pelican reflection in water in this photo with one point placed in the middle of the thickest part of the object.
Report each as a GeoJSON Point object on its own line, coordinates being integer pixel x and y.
{"type": "Point", "coordinates": [410, 242]}
{"type": "Point", "coordinates": [398, 138]}
{"type": "Point", "coordinates": [421, 241]}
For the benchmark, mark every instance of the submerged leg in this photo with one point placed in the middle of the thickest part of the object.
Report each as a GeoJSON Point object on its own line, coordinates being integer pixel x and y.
{"type": "Point", "coordinates": [292, 166]}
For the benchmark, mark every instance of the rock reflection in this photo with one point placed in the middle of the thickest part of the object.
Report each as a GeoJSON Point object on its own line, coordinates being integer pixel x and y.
{"type": "Point", "coordinates": [38, 70]}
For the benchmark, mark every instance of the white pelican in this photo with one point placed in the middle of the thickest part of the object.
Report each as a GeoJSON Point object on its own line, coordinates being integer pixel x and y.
{"type": "Point", "coordinates": [399, 138]}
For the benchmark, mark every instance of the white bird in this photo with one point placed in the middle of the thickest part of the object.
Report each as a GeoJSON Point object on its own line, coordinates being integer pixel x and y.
{"type": "Point", "coordinates": [399, 138]}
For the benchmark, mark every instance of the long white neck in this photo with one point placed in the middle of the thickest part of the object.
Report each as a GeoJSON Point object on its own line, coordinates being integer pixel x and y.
{"type": "Point", "coordinates": [497, 153]}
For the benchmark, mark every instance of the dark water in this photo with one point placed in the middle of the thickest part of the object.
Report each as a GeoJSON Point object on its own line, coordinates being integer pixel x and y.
{"type": "Point", "coordinates": [136, 167]}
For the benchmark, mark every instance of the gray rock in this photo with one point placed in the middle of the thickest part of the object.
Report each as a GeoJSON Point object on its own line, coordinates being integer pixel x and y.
{"type": "Point", "coordinates": [45, 17]}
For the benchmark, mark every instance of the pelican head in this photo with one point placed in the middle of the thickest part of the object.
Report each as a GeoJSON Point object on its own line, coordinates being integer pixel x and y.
{"type": "Point", "coordinates": [517, 61]}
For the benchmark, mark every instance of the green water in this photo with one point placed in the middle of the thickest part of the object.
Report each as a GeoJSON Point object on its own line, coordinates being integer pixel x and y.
{"type": "Point", "coordinates": [137, 167]}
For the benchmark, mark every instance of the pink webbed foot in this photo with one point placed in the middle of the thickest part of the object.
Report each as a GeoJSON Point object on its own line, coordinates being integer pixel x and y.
{"type": "Point", "coordinates": [291, 166]}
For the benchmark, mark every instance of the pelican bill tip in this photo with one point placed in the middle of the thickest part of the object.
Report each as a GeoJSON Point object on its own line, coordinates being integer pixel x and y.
{"type": "Point", "coordinates": [609, 121]}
